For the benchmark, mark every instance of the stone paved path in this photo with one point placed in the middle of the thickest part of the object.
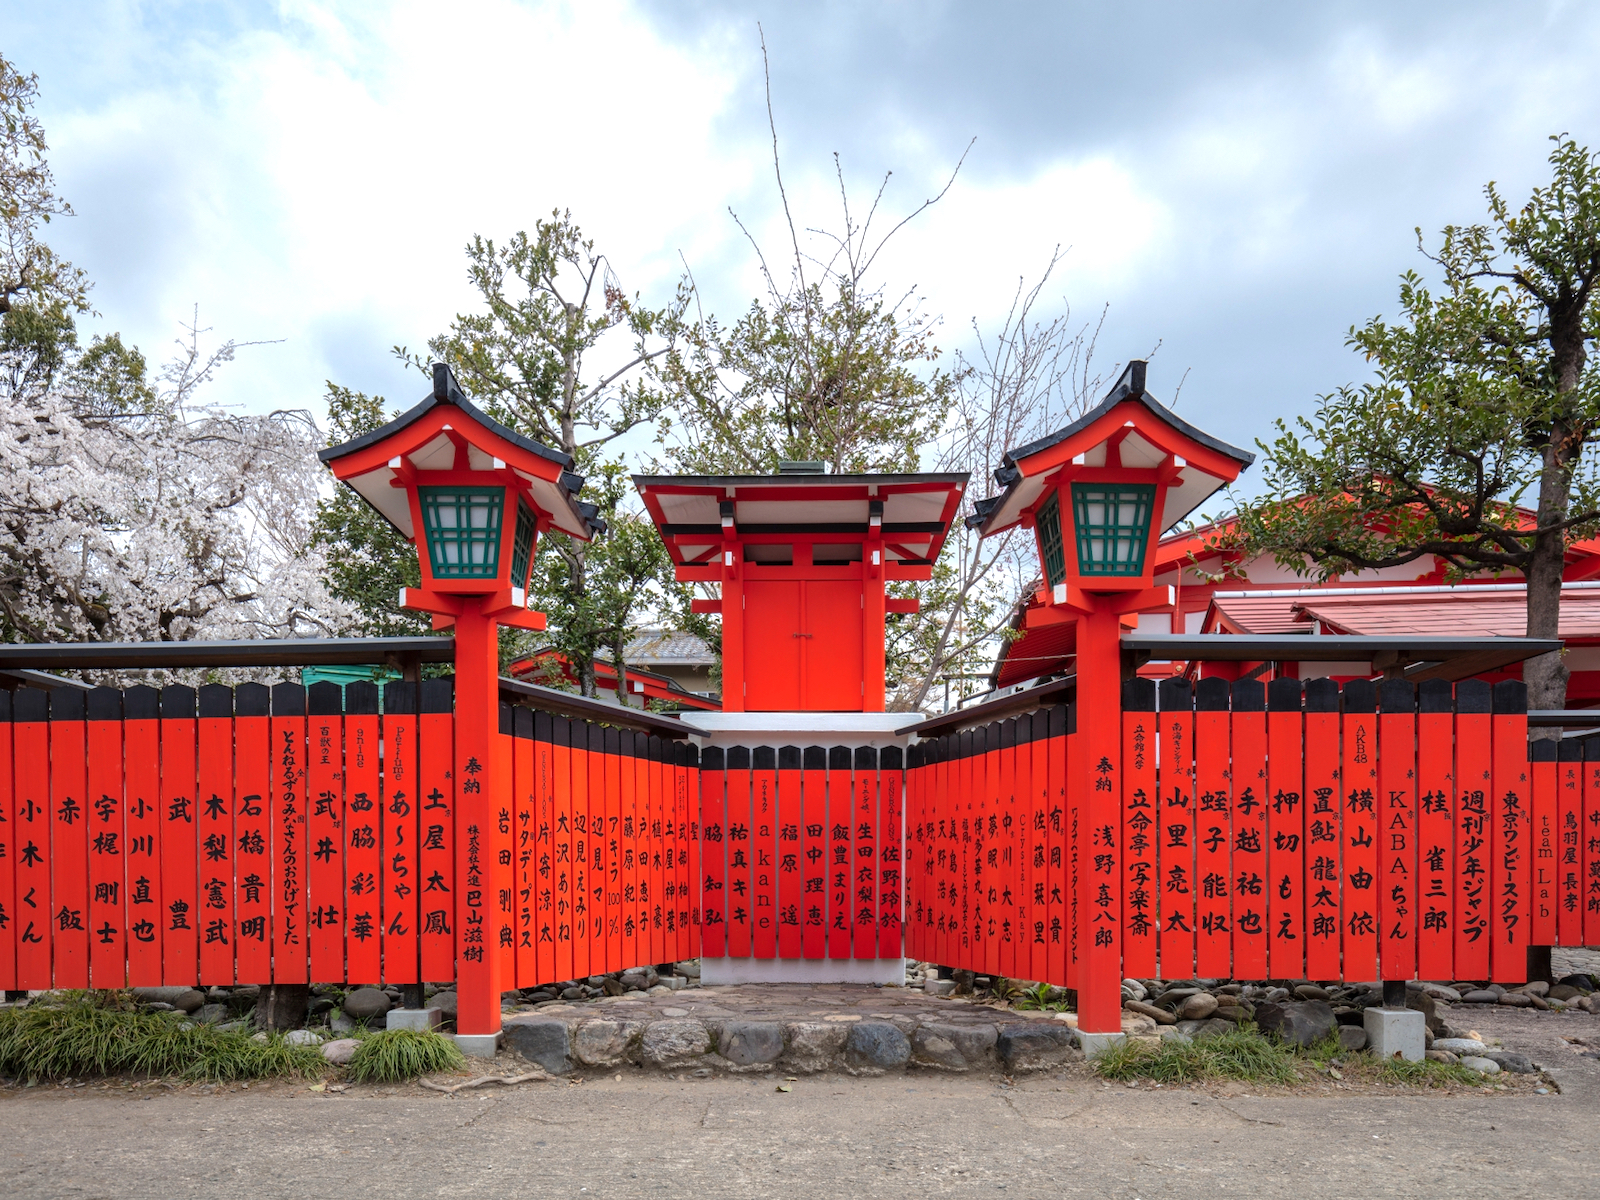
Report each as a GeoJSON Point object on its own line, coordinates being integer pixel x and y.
{"type": "Point", "coordinates": [805, 1028]}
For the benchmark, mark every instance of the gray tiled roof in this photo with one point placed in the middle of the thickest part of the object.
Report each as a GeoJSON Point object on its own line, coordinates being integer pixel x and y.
{"type": "Point", "coordinates": [667, 647]}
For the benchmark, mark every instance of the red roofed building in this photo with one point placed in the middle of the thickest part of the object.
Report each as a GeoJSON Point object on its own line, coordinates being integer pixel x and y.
{"type": "Point", "coordinates": [1267, 598]}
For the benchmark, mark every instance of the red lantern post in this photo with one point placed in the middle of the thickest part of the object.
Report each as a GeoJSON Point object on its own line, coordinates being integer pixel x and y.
{"type": "Point", "coordinates": [1098, 494]}
{"type": "Point", "coordinates": [474, 496]}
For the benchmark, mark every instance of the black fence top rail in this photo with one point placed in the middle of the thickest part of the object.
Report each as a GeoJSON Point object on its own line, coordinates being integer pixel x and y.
{"type": "Point", "coordinates": [1421, 657]}
{"type": "Point", "coordinates": [993, 709]}
{"type": "Point", "coordinates": [568, 705]}
{"type": "Point", "coordinates": [262, 652]}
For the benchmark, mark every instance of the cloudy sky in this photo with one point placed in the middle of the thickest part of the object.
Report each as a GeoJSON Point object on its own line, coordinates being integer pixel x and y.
{"type": "Point", "coordinates": [1238, 182]}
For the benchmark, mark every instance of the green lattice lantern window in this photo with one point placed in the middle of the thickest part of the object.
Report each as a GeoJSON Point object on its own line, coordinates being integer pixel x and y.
{"type": "Point", "coordinates": [1111, 523]}
{"type": "Point", "coordinates": [1048, 523]}
{"type": "Point", "coordinates": [463, 530]}
{"type": "Point", "coordinates": [522, 545]}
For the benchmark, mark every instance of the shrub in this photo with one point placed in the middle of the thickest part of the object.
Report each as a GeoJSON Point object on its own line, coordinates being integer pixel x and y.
{"type": "Point", "coordinates": [399, 1054]}
{"type": "Point", "coordinates": [78, 1035]}
{"type": "Point", "coordinates": [1241, 1054]}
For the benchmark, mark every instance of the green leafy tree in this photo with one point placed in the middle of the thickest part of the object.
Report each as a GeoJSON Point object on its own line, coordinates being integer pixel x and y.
{"type": "Point", "coordinates": [627, 578]}
{"type": "Point", "coordinates": [550, 304]}
{"type": "Point", "coordinates": [369, 560]}
{"type": "Point", "coordinates": [1484, 399]}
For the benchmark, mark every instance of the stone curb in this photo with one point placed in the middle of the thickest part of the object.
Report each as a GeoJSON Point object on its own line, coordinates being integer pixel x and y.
{"type": "Point", "coordinates": [562, 1045]}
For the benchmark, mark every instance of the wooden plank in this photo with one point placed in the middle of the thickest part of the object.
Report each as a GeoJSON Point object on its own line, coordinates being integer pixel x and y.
{"type": "Point", "coordinates": [672, 772]}
{"type": "Point", "coordinates": [1397, 830]}
{"type": "Point", "coordinates": [1250, 835]}
{"type": "Point", "coordinates": [1568, 852]}
{"type": "Point", "coordinates": [1286, 830]}
{"type": "Point", "coordinates": [1323, 804]}
{"type": "Point", "coordinates": [1145, 836]}
{"type": "Point", "coordinates": [690, 882]}
{"type": "Point", "coordinates": [688, 756]}
{"type": "Point", "coordinates": [524, 792]}
{"type": "Point", "coordinates": [1014, 833]}
{"type": "Point", "coordinates": [325, 831]}
{"type": "Point", "coordinates": [430, 836]}
{"type": "Point", "coordinates": [970, 916]}
{"type": "Point", "coordinates": [1542, 871]}
{"type": "Point", "coordinates": [649, 850]}
{"type": "Point", "coordinates": [1589, 842]}
{"type": "Point", "coordinates": [583, 763]}
{"type": "Point", "coordinates": [635, 934]}
{"type": "Point", "coordinates": [934, 886]}
{"type": "Point", "coordinates": [363, 855]}
{"type": "Point", "coordinates": [1436, 807]}
{"type": "Point", "coordinates": [180, 947]}
{"type": "Point", "coordinates": [561, 846]}
{"type": "Point", "coordinates": [1213, 785]}
{"type": "Point", "coordinates": [1474, 782]}
{"type": "Point", "coordinates": [108, 912]}
{"type": "Point", "coordinates": [10, 847]}
{"type": "Point", "coordinates": [789, 843]}
{"type": "Point", "coordinates": [986, 896]}
{"type": "Point", "coordinates": [407, 779]}
{"type": "Point", "coordinates": [1510, 875]}
{"type": "Point", "coordinates": [1036, 812]}
{"type": "Point", "coordinates": [1008, 858]}
{"type": "Point", "coordinates": [31, 735]}
{"type": "Point", "coordinates": [1066, 783]}
{"type": "Point", "coordinates": [891, 855]}
{"type": "Point", "coordinates": [864, 881]}
{"type": "Point", "coordinates": [736, 833]}
{"type": "Point", "coordinates": [713, 854]}
{"type": "Point", "coordinates": [501, 869]}
{"type": "Point", "coordinates": [1569, 818]}
{"type": "Point", "coordinates": [290, 961]}
{"type": "Point", "coordinates": [953, 798]}
{"type": "Point", "coordinates": [813, 852]}
{"type": "Point", "coordinates": [840, 811]}
{"type": "Point", "coordinates": [252, 826]}
{"type": "Point", "coordinates": [1177, 880]}
{"type": "Point", "coordinates": [544, 820]}
{"type": "Point", "coordinates": [660, 794]}
{"type": "Point", "coordinates": [1361, 830]}
{"type": "Point", "coordinates": [611, 740]}
{"type": "Point", "coordinates": [69, 841]}
{"type": "Point", "coordinates": [214, 818]}
{"type": "Point", "coordinates": [763, 849]}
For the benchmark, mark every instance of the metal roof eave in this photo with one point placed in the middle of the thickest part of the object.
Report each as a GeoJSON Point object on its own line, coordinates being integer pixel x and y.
{"type": "Point", "coordinates": [721, 481]}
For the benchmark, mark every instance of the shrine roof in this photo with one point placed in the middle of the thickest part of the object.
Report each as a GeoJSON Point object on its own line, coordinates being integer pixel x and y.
{"type": "Point", "coordinates": [916, 510]}
{"type": "Point", "coordinates": [1146, 433]}
{"type": "Point", "coordinates": [364, 462]}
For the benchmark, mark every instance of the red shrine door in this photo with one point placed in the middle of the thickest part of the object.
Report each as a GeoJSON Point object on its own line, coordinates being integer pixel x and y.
{"type": "Point", "coordinates": [803, 645]}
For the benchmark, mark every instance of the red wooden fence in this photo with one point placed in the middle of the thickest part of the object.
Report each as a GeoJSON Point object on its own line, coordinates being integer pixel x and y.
{"type": "Point", "coordinates": [801, 855]}
{"type": "Point", "coordinates": [1381, 831]}
{"type": "Point", "coordinates": [257, 835]}
{"type": "Point", "coordinates": [988, 823]}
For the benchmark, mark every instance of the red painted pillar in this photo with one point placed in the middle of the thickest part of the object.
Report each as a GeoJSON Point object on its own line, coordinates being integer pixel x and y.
{"type": "Point", "coordinates": [482, 787]}
{"type": "Point", "coordinates": [1099, 840]}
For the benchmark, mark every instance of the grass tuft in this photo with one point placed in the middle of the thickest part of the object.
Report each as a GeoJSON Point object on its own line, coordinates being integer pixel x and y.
{"type": "Point", "coordinates": [1240, 1054]}
{"type": "Point", "coordinates": [1038, 998]}
{"type": "Point", "coordinates": [1427, 1074]}
{"type": "Point", "coordinates": [81, 1035]}
{"type": "Point", "coordinates": [399, 1054]}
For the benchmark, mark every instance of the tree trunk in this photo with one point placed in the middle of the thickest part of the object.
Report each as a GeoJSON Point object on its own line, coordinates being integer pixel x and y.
{"type": "Point", "coordinates": [282, 1006]}
{"type": "Point", "coordinates": [1546, 676]}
